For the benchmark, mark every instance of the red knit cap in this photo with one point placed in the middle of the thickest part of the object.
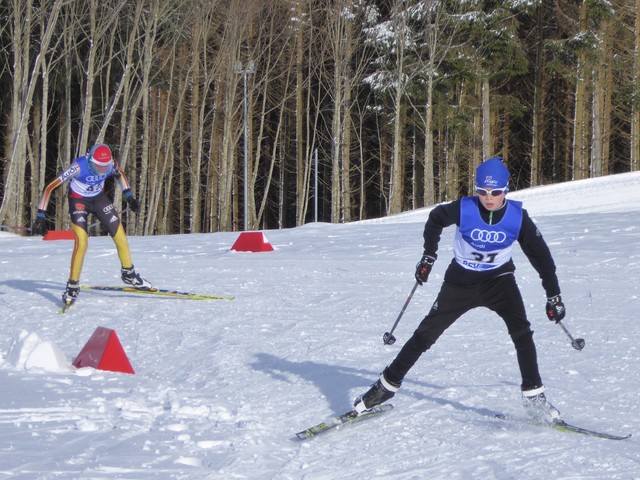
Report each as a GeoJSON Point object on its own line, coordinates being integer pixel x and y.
{"type": "Point", "coordinates": [100, 154]}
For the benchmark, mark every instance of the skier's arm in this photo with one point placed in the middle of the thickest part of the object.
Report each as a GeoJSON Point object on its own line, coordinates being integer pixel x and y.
{"type": "Point", "coordinates": [121, 177]}
{"type": "Point", "coordinates": [538, 253]}
{"type": "Point", "coordinates": [440, 217]}
{"type": "Point", "coordinates": [134, 204]}
{"type": "Point", "coordinates": [68, 174]}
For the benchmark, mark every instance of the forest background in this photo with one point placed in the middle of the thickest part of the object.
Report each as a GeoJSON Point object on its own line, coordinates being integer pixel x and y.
{"type": "Point", "coordinates": [327, 110]}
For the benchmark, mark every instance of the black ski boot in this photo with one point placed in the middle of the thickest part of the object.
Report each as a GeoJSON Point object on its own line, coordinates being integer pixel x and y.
{"type": "Point", "coordinates": [380, 392]}
{"type": "Point", "coordinates": [133, 278]}
{"type": "Point", "coordinates": [538, 407]}
{"type": "Point", "coordinates": [70, 295]}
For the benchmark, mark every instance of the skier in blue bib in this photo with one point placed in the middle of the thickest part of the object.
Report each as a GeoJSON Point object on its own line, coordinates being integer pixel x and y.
{"type": "Point", "coordinates": [86, 176]}
{"type": "Point", "coordinates": [481, 274]}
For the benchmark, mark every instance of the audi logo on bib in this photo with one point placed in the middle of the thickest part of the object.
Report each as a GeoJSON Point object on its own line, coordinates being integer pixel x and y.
{"type": "Point", "coordinates": [487, 236]}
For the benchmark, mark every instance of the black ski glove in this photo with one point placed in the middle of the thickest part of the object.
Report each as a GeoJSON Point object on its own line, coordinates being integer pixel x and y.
{"type": "Point", "coordinates": [131, 201]}
{"type": "Point", "coordinates": [555, 308]}
{"type": "Point", "coordinates": [39, 226]}
{"type": "Point", "coordinates": [423, 268]}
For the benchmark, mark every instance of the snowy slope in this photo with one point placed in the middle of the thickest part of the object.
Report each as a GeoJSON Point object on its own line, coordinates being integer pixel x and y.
{"type": "Point", "coordinates": [221, 387]}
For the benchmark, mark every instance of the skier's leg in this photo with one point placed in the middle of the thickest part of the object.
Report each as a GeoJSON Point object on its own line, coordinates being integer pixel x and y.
{"type": "Point", "coordinates": [504, 297]}
{"type": "Point", "coordinates": [122, 246]}
{"type": "Point", "coordinates": [79, 250]}
{"type": "Point", "coordinates": [78, 213]}
{"type": "Point", "coordinates": [452, 302]}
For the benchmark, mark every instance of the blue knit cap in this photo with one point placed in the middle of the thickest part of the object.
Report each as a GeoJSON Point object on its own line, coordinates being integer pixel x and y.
{"type": "Point", "coordinates": [492, 173]}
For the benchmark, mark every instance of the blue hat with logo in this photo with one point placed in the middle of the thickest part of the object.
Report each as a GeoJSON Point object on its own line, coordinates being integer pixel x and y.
{"type": "Point", "coordinates": [492, 173]}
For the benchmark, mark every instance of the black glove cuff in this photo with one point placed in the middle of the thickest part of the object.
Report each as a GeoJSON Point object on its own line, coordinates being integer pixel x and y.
{"type": "Point", "coordinates": [554, 300]}
{"type": "Point", "coordinates": [428, 260]}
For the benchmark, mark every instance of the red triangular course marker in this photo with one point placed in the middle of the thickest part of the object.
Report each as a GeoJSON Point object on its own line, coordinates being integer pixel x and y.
{"type": "Point", "coordinates": [104, 351]}
{"type": "Point", "coordinates": [252, 242]}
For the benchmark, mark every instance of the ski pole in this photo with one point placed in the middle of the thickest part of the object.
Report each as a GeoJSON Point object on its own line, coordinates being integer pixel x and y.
{"type": "Point", "coordinates": [577, 343]}
{"type": "Point", "coordinates": [388, 337]}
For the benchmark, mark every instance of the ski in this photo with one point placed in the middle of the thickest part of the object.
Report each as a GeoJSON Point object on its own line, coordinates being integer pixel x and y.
{"type": "Point", "coordinates": [155, 291]}
{"type": "Point", "coordinates": [563, 426]}
{"type": "Point", "coordinates": [340, 420]}
{"type": "Point", "coordinates": [567, 427]}
{"type": "Point", "coordinates": [65, 308]}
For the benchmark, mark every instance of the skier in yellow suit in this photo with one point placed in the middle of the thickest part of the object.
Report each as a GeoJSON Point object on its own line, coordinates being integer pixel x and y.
{"type": "Point", "coordinates": [87, 175]}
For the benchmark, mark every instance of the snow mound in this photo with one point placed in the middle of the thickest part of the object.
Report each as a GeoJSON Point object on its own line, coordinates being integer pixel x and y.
{"type": "Point", "coordinates": [29, 352]}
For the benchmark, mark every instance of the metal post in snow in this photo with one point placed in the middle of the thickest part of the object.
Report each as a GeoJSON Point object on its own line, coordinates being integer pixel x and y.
{"type": "Point", "coordinates": [244, 72]}
{"type": "Point", "coordinates": [315, 189]}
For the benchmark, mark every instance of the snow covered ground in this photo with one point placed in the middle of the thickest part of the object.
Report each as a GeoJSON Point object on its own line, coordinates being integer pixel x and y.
{"type": "Point", "coordinates": [221, 387]}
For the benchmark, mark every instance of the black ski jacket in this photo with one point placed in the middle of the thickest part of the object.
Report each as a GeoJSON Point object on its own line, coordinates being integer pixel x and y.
{"type": "Point", "coordinates": [530, 240]}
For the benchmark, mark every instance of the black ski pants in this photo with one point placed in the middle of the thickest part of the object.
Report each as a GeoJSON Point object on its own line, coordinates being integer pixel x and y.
{"type": "Point", "coordinates": [501, 295]}
{"type": "Point", "coordinates": [101, 206]}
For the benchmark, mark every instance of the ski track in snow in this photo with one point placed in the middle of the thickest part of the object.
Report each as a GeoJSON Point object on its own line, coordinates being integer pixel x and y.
{"type": "Point", "coordinates": [222, 387]}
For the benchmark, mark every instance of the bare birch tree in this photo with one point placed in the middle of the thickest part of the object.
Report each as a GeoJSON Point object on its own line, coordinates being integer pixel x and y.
{"type": "Point", "coordinates": [401, 35]}
{"type": "Point", "coordinates": [12, 210]}
{"type": "Point", "coordinates": [440, 35]}
{"type": "Point", "coordinates": [538, 114]}
{"type": "Point", "coordinates": [601, 106]}
{"type": "Point", "coordinates": [635, 109]}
